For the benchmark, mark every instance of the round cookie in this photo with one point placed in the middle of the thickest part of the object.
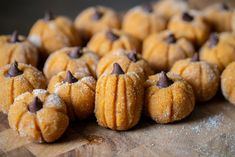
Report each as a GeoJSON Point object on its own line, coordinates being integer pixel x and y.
{"type": "Point", "coordinates": [53, 33]}
{"type": "Point", "coordinates": [220, 17]}
{"type": "Point", "coordinates": [190, 25]}
{"type": "Point", "coordinates": [96, 19]}
{"type": "Point", "coordinates": [109, 40]}
{"type": "Point", "coordinates": [39, 116]}
{"type": "Point", "coordinates": [168, 98]}
{"type": "Point", "coordinates": [141, 21]}
{"type": "Point", "coordinates": [163, 49]}
{"type": "Point", "coordinates": [219, 50]}
{"type": "Point", "coordinates": [16, 79]}
{"type": "Point", "coordinates": [169, 8]}
{"type": "Point", "coordinates": [17, 48]}
{"type": "Point", "coordinates": [119, 99]}
{"type": "Point", "coordinates": [129, 61]}
{"type": "Point", "coordinates": [228, 83]}
{"type": "Point", "coordinates": [75, 59]}
{"type": "Point", "coordinates": [202, 76]}
{"type": "Point", "coordinates": [77, 91]}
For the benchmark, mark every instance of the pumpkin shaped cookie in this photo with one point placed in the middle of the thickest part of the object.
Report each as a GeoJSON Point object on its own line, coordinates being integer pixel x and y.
{"type": "Point", "coordinates": [53, 33]}
{"type": "Point", "coordinates": [163, 49]}
{"type": "Point", "coordinates": [169, 8]}
{"type": "Point", "coordinates": [16, 79]}
{"type": "Point", "coordinates": [110, 40]}
{"type": "Point", "coordinates": [130, 61]}
{"type": "Point", "coordinates": [190, 25]}
{"type": "Point", "coordinates": [220, 17]}
{"type": "Point", "coordinates": [219, 50]}
{"type": "Point", "coordinates": [228, 83]}
{"type": "Point", "coordinates": [75, 59]}
{"type": "Point", "coordinates": [119, 99]}
{"type": "Point", "coordinates": [168, 98]}
{"type": "Point", "coordinates": [17, 48]}
{"type": "Point", "coordinates": [39, 116]}
{"type": "Point", "coordinates": [202, 76]}
{"type": "Point", "coordinates": [96, 19]}
{"type": "Point", "coordinates": [141, 21]}
{"type": "Point", "coordinates": [77, 91]}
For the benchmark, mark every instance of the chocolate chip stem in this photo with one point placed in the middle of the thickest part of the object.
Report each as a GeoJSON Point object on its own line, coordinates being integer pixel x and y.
{"type": "Point", "coordinates": [97, 15]}
{"type": "Point", "coordinates": [187, 17]}
{"type": "Point", "coordinates": [132, 56]}
{"type": "Point", "coordinates": [70, 78]}
{"type": "Point", "coordinates": [117, 69]}
{"type": "Point", "coordinates": [164, 81]}
{"type": "Point", "coordinates": [14, 37]}
{"type": "Point", "coordinates": [214, 39]}
{"type": "Point", "coordinates": [112, 36]}
{"type": "Point", "coordinates": [171, 39]}
{"type": "Point", "coordinates": [14, 70]}
{"type": "Point", "coordinates": [48, 16]}
{"type": "Point", "coordinates": [147, 8]}
{"type": "Point", "coordinates": [35, 105]}
{"type": "Point", "coordinates": [76, 53]}
{"type": "Point", "coordinates": [195, 57]}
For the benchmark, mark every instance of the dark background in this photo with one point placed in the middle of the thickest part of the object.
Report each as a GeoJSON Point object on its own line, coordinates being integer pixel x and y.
{"type": "Point", "coordinates": [21, 14]}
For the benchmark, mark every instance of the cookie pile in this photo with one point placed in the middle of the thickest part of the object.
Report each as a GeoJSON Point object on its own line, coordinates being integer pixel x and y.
{"type": "Point", "coordinates": [159, 59]}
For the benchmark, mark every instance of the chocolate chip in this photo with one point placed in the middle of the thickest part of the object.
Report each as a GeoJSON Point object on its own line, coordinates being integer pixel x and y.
{"type": "Point", "coordinates": [70, 78]}
{"type": "Point", "coordinates": [187, 17]}
{"type": "Point", "coordinates": [171, 39]}
{"type": "Point", "coordinates": [76, 53]}
{"type": "Point", "coordinates": [213, 40]}
{"type": "Point", "coordinates": [35, 105]}
{"type": "Point", "coordinates": [14, 37]}
{"type": "Point", "coordinates": [117, 69]}
{"type": "Point", "coordinates": [48, 16]}
{"type": "Point", "coordinates": [195, 57]}
{"type": "Point", "coordinates": [164, 81]}
{"type": "Point", "coordinates": [112, 36]}
{"type": "Point", "coordinates": [224, 6]}
{"type": "Point", "coordinates": [147, 8]}
{"type": "Point", "coordinates": [97, 15]}
{"type": "Point", "coordinates": [14, 70]}
{"type": "Point", "coordinates": [132, 56]}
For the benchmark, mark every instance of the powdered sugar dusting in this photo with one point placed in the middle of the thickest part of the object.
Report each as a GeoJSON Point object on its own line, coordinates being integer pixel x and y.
{"type": "Point", "coordinates": [39, 91]}
{"type": "Point", "coordinates": [53, 100]}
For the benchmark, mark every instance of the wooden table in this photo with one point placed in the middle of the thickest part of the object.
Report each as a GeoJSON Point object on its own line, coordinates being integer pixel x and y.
{"type": "Point", "coordinates": [208, 131]}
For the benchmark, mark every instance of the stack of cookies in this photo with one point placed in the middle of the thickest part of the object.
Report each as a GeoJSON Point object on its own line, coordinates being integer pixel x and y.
{"type": "Point", "coordinates": [159, 59]}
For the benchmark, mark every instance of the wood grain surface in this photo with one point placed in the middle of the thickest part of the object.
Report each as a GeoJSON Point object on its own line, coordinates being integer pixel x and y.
{"type": "Point", "coordinates": [208, 131]}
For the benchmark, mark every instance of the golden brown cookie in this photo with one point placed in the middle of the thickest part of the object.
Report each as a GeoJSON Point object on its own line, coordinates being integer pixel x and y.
{"type": "Point", "coordinates": [163, 49]}
{"type": "Point", "coordinates": [119, 99]}
{"type": "Point", "coordinates": [53, 33]}
{"type": "Point", "coordinates": [129, 61]}
{"type": "Point", "coordinates": [190, 25]}
{"type": "Point", "coordinates": [228, 83]}
{"type": "Point", "coordinates": [219, 50]}
{"type": "Point", "coordinates": [17, 48]}
{"type": "Point", "coordinates": [220, 17]}
{"type": "Point", "coordinates": [75, 59]}
{"type": "Point", "coordinates": [96, 19]}
{"type": "Point", "coordinates": [77, 91]}
{"type": "Point", "coordinates": [169, 8]}
{"type": "Point", "coordinates": [168, 98]}
{"type": "Point", "coordinates": [141, 21]}
{"type": "Point", "coordinates": [202, 76]}
{"type": "Point", "coordinates": [109, 40]}
{"type": "Point", "coordinates": [16, 79]}
{"type": "Point", "coordinates": [39, 116]}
